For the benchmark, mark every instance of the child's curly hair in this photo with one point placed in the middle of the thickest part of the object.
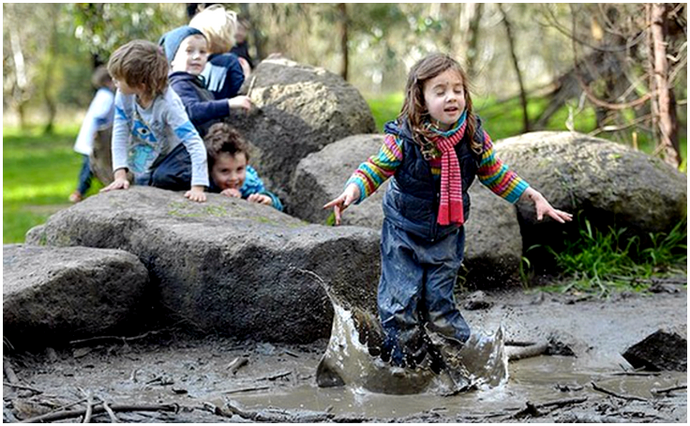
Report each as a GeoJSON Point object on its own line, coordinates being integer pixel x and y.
{"type": "Point", "coordinates": [138, 63]}
{"type": "Point", "coordinates": [414, 109]}
{"type": "Point", "coordinates": [223, 138]}
{"type": "Point", "coordinates": [219, 27]}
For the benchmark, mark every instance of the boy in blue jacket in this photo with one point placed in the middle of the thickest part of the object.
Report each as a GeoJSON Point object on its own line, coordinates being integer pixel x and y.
{"type": "Point", "coordinates": [186, 49]}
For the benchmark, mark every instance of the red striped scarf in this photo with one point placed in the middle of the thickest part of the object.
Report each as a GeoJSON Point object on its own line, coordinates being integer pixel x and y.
{"type": "Point", "coordinates": [450, 209]}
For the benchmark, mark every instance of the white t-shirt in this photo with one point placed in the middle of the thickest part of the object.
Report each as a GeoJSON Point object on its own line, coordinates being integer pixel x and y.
{"type": "Point", "coordinates": [98, 116]}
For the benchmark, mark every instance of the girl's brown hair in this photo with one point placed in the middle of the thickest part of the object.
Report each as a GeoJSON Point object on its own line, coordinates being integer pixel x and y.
{"type": "Point", "coordinates": [414, 109]}
{"type": "Point", "coordinates": [140, 62]}
{"type": "Point", "coordinates": [223, 138]}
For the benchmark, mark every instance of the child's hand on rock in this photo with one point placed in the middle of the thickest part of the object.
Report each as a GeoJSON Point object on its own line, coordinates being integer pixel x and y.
{"type": "Point", "coordinates": [231, 192]}
{"type": "Point", "coordinates": [260, 199]}
{"type": "Point", "coordinates": [196, 194]}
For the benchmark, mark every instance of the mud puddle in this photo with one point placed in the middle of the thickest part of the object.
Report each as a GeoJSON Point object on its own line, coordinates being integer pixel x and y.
{"type": "Point", "coordinates": [192, 379]}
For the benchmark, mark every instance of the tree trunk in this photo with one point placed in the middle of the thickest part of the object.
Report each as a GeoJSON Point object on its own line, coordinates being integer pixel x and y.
{"type": "Point", "coordinates": [258, 41]}
{"type": "Point", "coordinates": [470, 27]}
{"type": "Point", "coordinates": [51, 104]}
{"type": "Point", "coordinates": [668, 144]}
{"type": "Point", "coordinates": [344, 23]}
{"type": "Point", "coordinates": [516, 65]}
{"type": "Point", "coordinates": [21, 78]}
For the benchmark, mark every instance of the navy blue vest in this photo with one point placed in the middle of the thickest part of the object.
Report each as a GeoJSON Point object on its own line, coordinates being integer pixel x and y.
{"type": "Point", "coordinates": [413, 195]}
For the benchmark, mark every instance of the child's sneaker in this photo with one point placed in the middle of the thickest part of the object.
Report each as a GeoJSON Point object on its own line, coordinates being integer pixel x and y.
{"type": "Point", "coordinates": [75, 197]}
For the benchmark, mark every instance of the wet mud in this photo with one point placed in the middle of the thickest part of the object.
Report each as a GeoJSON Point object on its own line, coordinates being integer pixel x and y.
{"type": "Point", "coordinates": [171, 376]}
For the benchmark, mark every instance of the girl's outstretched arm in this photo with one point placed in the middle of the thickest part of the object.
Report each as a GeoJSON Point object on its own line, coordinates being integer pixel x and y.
{"type": "Point", "coordinates": [544, 208]}
{"type": "Point", "coordinates": [349, 196]}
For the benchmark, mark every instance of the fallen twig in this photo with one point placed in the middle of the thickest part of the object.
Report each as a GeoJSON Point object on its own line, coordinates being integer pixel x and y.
{"type": "Point", "coordinates": [49, 417]}
{"type": "Point", "coordinates": [292, 354]}
{"type": "Point", "coordinates": [562, 402]}
{"type": "Point", "coordinates": [118, 338]}
{"type": "Point", "coordinates": [635, 373]}
{"type": "Point", "coordinates": [517, 352]}
{"type": "Point", "coordinates": [237, 363]}
{"type": "Point", "coordinates": [608, 392]}
{"type": "Point", "coordinates": [519, 343]}
{"type": "Point", "coordinates": [251, 87]}
{"type": "Point", "coordinates": [255, 388]}
{"type": "Point", "coordinates": [111, 414]}
{"type": "Point", "coordinates": [22, 387]}
{"type": "Point", "coordinates": [9, 372]}
{"type": "Point", "coordinates": [671, 389]}
{"type": "Point", "coordinates": [276, 376]}
{"type": "Point", "coordinates": [89, 406]}
{"type": "Point", "coordinates": [279, 416]}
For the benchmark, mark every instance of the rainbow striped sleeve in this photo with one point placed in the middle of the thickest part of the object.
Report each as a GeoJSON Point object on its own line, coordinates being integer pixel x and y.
{"type": "Point", "coordinates": [497, 177]}
{"type": "Point", "coordinates": [373, 173]}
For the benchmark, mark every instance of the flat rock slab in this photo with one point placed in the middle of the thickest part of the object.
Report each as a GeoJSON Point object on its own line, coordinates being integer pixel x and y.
{"type": "Point", "coordinates": [663, 350]}
{"type": "Point", "coordinates": [55, 294]}
{"type": "Point", "coordinates": [227, 266]}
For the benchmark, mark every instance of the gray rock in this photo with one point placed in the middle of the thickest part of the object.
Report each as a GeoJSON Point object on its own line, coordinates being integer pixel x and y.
{"type": "Point", "coordinates": [321, 176]}
{"type": "Point", "coordinates": [608, 182]}
{"type": "Point", "coordinates": [493, 244]}
{"type": "Point", "coordinates": [57, 294]}
{"type": "Point", "coordinates": [301, 109]}
{"type": "Point", "coordinates": [226, 266]}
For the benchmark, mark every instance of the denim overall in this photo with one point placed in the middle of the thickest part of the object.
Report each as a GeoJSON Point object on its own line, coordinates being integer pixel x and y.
{"type": "Point", "coordinates": [420, 259]}
{"type": "Point", "coordinates": [174, 172]}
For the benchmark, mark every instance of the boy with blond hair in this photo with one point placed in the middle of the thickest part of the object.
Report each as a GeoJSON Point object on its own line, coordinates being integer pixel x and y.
{"type": "Point", "coordinates": [186, 49]}
{"type": "Point", "coordinates": [225, 72]}
{"type": "Point", "coordinates": [152, 135]}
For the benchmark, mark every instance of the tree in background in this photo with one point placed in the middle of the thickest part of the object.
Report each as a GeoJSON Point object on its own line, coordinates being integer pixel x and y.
{"type": "Point", "coordinates": [621, 66]}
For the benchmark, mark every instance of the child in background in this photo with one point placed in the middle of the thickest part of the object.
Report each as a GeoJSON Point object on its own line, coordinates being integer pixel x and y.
{"type": "Point", "coordinates": [228, 168]}
{"type": "Point", "coordinates": [433, 152]}
{"type": "Point", "coordinates": [241, 48]}
{"type": "Point", "coordinates": [225, 72]}
{"type": "Point", "coordinates": [186, 50]}
{"type": "Point", "coordinates": [99, 116]}
{"type": "Point", "coordinates": [152, 135]}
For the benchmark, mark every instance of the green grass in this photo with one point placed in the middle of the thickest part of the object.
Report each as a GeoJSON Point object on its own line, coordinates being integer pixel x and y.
{"type": "Point", "coordinates": [39, 173]}
{"type": "Point", "coordinates": [600, 262]}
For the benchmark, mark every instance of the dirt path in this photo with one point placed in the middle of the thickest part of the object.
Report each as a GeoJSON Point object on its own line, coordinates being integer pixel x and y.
{"type": "Point", "coordinates": [190, 379]}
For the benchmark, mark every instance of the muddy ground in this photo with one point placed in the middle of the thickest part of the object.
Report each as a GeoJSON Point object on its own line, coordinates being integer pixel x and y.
{"type": "Point", "coordinates": [171, 376]}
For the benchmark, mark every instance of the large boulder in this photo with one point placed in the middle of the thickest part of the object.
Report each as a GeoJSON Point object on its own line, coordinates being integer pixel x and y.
{"type": "Point", "coordinates": [493, 244]}
{"type": "Point", "coordinates": [52, 295]}
{"type": "Point", "coordinates": [226, 266]}
{"type": "Point", "coordinates": [321, 176]}
{"type": "Point", "coordinates": [609, 183]}
{"type": "Point", "coordinates": [300, 110]}
{"type": "Point", "coordinates": [493, 248]}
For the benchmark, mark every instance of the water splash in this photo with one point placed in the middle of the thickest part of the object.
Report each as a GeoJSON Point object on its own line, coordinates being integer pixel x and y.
{"type": "Point", "coordinates": [351, 359]}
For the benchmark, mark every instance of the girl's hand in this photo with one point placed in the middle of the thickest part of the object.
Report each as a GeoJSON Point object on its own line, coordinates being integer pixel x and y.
{"type": "Point", "coordinates": [231, 192]}
{"type": "Point", "coordinates": [260, 198]}
{"type": "Point", "coordinates": [349, 196]}
{"type": "Point", "coordinates": [120, 181]}
{"type": "Point", "coordinates": [196, 194]}
{"type": "Point", "coordinates": [240, 102]}
{"type": "Point", "coordinates": [544, 208]}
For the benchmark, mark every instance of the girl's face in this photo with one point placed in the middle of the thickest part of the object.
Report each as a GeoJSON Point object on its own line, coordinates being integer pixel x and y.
{"type": "Point", "coordinates": [444, 97]}
{"type": "Point", "coordinates": [229, 171]}
{"type": "Point", "coordinates": [191, 56]}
